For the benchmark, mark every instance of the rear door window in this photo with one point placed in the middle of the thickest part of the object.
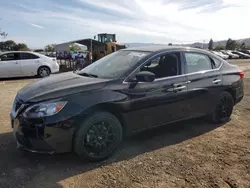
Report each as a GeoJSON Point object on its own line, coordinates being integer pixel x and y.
{"type": "Point", "coordinates": [197, 62]}
{"type": "Point", "coordinates": [27, 56]}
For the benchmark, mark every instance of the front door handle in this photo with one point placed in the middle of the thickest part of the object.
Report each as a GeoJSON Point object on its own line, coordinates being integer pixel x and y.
{"type": "Point", "coordinates": [216, 81]}
{"type": "Point", "coordinates": [179, 88]}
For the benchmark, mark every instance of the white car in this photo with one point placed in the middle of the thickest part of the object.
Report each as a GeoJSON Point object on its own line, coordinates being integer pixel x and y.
{"type": "Point", "coordinates": [220, 54]}
{"type": "Point", "coordinates": [22, 63]}
{"type": "Point", "coordinates": [230, 54]}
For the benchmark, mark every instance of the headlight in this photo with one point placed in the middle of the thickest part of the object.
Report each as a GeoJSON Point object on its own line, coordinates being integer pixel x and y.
{"type": "Point", "coordinates": [44, 109]}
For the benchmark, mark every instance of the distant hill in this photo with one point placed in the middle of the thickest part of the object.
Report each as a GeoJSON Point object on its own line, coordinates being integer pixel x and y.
{"type": "Point", "coordinates": [216, 43]}
{"type": "Point", "coordinates": [142, 44]}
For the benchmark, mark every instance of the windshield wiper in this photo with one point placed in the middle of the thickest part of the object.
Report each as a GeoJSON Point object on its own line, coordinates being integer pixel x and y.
{"type": "Point", "coordinates": [87, 74]}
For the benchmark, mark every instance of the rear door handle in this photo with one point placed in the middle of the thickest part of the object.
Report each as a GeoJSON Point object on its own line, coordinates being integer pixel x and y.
{"type": "Point", "coordinates": [179, 88]}
{"type": "Point", "coordinates": [216, 81]}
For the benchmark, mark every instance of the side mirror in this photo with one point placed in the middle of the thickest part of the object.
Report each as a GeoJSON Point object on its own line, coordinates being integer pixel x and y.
{"type": "Point", "coordinates": [145, 76]}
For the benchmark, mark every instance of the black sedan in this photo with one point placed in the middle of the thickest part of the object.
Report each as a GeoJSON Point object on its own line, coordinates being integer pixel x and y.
{"type": "Point", "coordinates": [90, 111]}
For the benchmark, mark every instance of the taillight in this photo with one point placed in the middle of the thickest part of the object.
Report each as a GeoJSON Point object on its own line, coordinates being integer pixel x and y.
{"type": "Point", "coordinates": [241, 74]}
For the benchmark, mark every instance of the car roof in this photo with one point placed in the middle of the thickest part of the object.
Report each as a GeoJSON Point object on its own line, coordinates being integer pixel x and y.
{"type": "Point", "coordinates": [35, 53]}
{"type": "Point", "coordinates": [18, 52]}
{"type": "Point", "coordinates": [156, 48]}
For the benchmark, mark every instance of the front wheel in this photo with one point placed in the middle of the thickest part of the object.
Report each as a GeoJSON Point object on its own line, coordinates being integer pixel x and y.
{"type": "Point", "coordinates": [98, 137]}
{"type": "Point", "coordinates": [224, 108]}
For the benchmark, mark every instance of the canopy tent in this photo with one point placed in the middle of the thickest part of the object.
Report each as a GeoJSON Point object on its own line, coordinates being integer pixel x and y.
{"type": "Point", "coordinates": [87, 42]}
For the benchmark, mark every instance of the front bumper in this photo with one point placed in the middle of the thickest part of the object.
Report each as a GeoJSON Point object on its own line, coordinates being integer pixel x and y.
{"type": "Point", "coordinates": [38, 137]}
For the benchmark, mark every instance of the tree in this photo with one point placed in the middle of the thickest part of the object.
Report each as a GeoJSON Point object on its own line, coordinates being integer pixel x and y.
{"type": "Point", "coordinates": [2, 33]}
{"type": "Point", "coordinates": [50, 48]}
{"type": "Point", "coordinates": [21, 47]}
{"type": "Point", "coordinates": [74, 47]}
{"type": "Point", "coordinates": [10, 45]}
{"type": "Point", "coordinates": [247, 47]}
{"type": "Point", "coordinates": [243, 45]}
{"type": "Point", "coordinates": [211, 44]}
{"type": "Point", "coordinates": [198, 47]}
{"type": "Point", "coordinates": [170, 44]}
{"type": "Point", "coordinates": [220, 47]}
{"type": "Point", "coordinates": [231, 44]}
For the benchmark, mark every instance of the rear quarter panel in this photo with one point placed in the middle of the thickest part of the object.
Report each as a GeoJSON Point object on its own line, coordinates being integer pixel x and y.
{"type": "Point", "coordinates": [232, 81]}
{"type": "Point", "coordinates": [53, 65]}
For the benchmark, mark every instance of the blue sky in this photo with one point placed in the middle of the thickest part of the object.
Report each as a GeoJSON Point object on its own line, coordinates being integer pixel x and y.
{"type": "Point", "coordinates": [41, 22]}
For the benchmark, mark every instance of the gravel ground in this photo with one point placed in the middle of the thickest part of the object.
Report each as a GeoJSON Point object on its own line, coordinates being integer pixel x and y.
{"type": "Point", "coordinates": [189, 154]}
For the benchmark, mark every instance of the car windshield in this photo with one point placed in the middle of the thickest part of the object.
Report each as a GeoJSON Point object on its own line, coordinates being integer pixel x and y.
{"type": "Point", "coordinates": [113, 65]}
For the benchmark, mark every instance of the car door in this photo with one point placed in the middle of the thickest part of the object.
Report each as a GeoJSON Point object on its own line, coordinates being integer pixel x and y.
{"type": "Point", "coordinates": [10, 65]}
{"type": "Point", "coordinates": [163, 100]}
{"type": "Point", "coordinates": [29, 63]}
{"type": "Point", "coordinates": [204, 82]}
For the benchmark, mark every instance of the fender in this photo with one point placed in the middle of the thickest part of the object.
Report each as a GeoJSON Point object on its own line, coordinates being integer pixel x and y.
{"type": "Point", "coordinates": [81, 103]}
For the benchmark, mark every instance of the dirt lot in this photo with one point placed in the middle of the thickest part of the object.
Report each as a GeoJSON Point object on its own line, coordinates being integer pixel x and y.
{"type": "Point", "coordinates": [190, 154]}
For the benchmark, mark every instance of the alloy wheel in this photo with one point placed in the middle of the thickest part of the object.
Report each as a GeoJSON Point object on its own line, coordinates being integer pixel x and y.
{"type": "Point", "coordinates": [100, 138]}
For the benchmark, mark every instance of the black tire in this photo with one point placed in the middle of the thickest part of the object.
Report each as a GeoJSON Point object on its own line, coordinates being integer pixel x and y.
{"type": "Point", "coordinates": [98, 136]}
{"type": "Point", "coordinates": [43, 72]}
{"type": "Point", "coordinates": [224, 108]}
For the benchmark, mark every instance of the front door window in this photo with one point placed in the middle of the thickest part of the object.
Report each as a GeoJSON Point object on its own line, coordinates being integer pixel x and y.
{"type": "Point", "coordinates": [164, 66]}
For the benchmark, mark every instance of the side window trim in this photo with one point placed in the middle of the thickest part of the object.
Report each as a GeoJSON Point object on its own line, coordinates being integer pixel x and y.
{"type": "Point", "coordinates": [181, 64]}
{"type": "Point", "coordinates": [213, 59]}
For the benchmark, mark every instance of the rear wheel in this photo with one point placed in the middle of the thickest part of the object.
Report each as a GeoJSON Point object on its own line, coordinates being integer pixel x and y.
{"type": "Point", "coordinates": [43, 72]}
{"type": "Point", "coordinates": [98, 136]}
{"type": "Point", "coordinates": [224, 108]}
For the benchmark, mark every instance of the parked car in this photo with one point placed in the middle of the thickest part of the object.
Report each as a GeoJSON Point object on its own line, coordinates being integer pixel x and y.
{"type": "Point", "coordinates": [17, 64]}
{"type": "Point", "coordinates": [90, 111]}
{"type": "Point", "coordinates": [241, 55]}
{"type": "Point", "coordinates": [230, 54]}
{"type": "Point", "coordinates": [245, 51]}
{"type": "Point", "coordinates": [220, 54]}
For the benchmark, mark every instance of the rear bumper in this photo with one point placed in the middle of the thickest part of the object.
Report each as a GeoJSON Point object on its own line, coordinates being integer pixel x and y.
{"type": "Point", "coordinates": [239, 93]}
{"type": "Point", "coordinates": [55, 68]}
{"type": "Point", "coordinates": [238, 100]}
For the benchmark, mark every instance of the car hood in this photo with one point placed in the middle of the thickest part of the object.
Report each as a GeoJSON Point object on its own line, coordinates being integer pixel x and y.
{"type": "Point", "coordinates": [59, 85]}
